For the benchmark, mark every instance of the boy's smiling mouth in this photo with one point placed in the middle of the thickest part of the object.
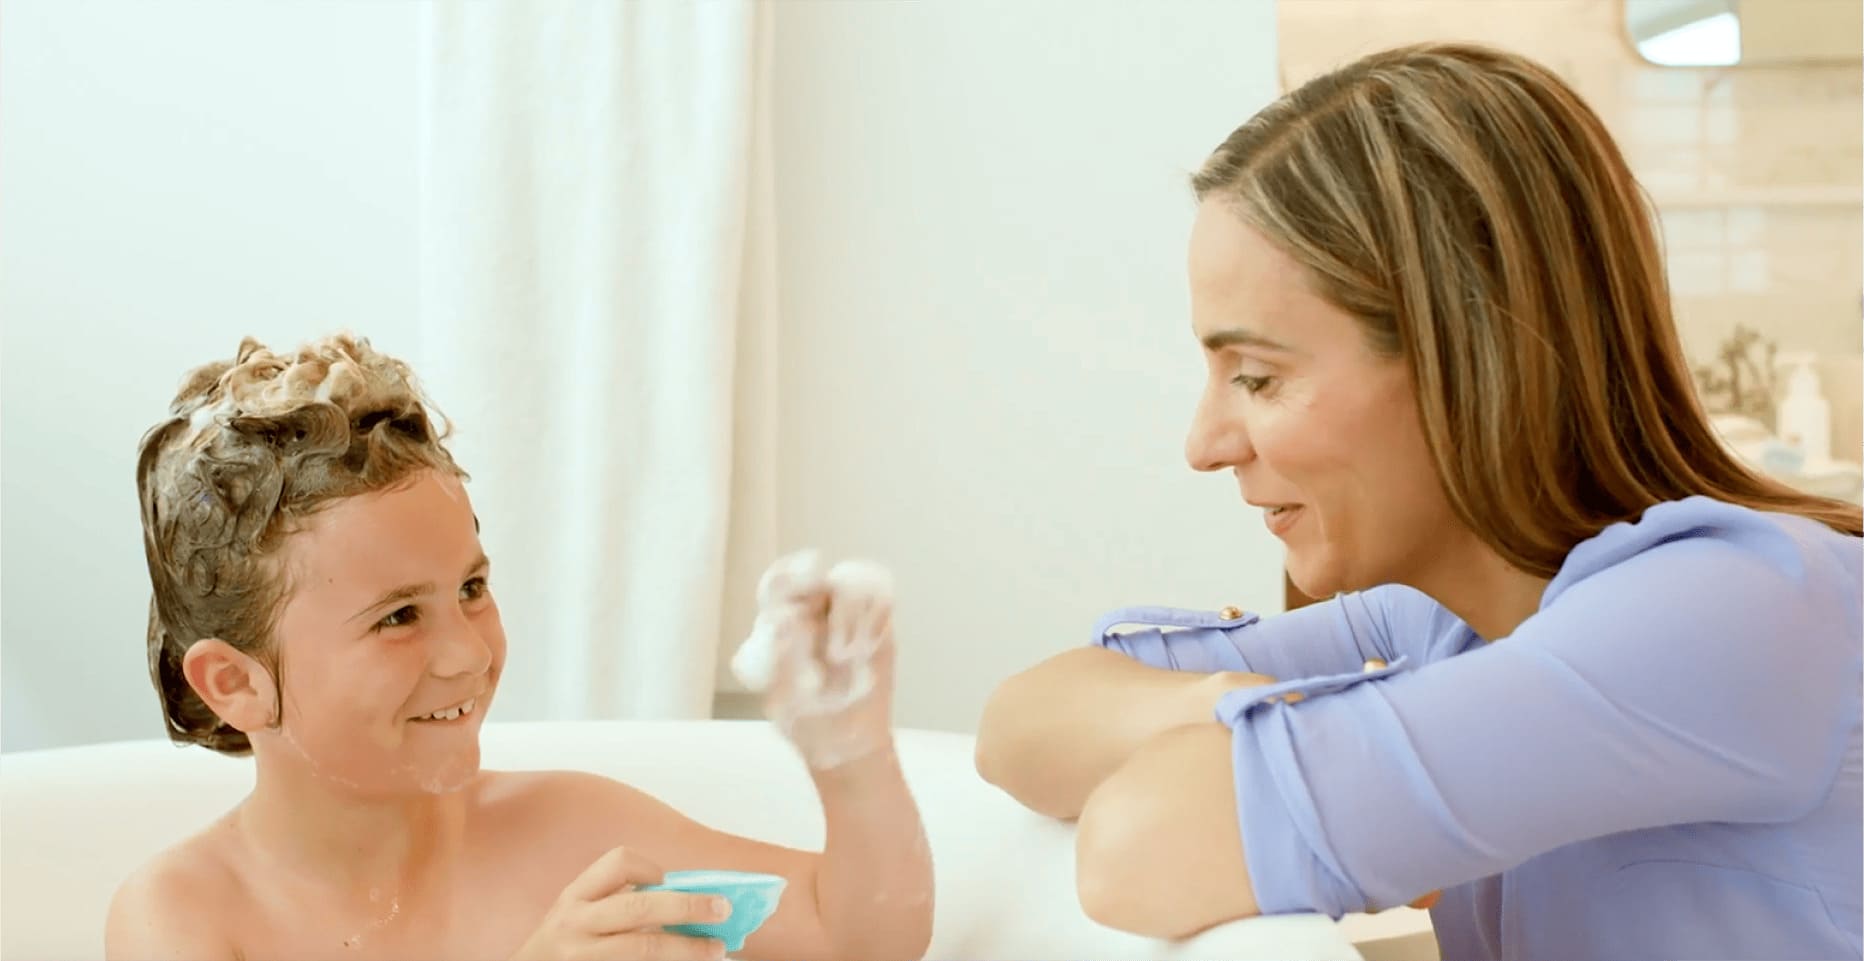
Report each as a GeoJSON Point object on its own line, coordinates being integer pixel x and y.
{"type": "Point", "coordinates": [453, 713]}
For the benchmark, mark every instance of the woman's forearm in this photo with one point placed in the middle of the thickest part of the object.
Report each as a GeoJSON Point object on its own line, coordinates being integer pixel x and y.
{"type": "Point", "coordinates": [874, 887]}
{"type": "Point", "coordinates": [1051, 734]}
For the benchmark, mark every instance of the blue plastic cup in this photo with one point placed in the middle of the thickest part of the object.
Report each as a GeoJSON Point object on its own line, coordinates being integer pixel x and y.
{"type": "Point", "coordinates": [753, 900]}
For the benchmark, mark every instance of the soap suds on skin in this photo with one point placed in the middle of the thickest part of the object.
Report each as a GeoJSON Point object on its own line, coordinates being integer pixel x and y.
{"type": "Point", "coordinates": [394, 911]}
{"type": "Point", "coordinates": [311, 762]}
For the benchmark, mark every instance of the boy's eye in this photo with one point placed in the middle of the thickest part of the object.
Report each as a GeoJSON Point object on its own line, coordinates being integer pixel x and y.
{"type": "Point", "coordinates": [474, 589]}
{"type": "Point", "coordinates": [399, 617]}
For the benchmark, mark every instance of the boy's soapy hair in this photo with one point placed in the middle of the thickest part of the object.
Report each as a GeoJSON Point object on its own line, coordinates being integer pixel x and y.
{"type": "Point", "coordinates": [252, 448]}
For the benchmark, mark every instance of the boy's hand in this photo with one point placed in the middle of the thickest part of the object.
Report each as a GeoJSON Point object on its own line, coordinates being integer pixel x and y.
{"type": "Point", "coordinates": [601, 917]}
{"type": "Point", "coordinates": [830, 635]}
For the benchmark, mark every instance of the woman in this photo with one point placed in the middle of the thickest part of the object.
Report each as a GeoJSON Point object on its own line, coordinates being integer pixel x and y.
{"type": "Point", "coordinates": [1585, 672]}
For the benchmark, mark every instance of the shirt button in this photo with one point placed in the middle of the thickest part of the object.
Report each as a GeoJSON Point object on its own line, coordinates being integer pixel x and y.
{"type": "Point", "coordinates": [1230, 613]}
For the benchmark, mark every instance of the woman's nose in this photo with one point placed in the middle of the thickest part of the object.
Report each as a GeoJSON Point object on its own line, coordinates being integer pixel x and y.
{"type": "Point", "coordinates": [1217, 440]}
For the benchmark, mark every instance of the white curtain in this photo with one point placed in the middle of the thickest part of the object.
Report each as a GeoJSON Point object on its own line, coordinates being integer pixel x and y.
{"type": "Point", "coordinates": [596, 318]}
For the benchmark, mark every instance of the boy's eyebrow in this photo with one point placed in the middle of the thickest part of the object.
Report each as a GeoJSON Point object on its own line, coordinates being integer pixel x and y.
{"type": "Point", "coordinates": [1241, 337]}
{"type": "Point", "coordinates": [411, 591]}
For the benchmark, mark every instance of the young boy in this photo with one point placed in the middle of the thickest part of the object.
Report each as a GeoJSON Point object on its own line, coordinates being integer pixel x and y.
{"type": "Point", "coordinates": [322, 602]}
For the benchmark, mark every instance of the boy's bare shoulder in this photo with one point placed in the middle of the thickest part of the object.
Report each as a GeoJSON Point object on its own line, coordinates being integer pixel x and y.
{"type": "Point", "coordinates": [562, 794]}
{"type": "Point", "coordinates": [176, 906]}
{"type": "Point", "coordinates": [599, 811]}
{"type": "Point", "coordinates": [557, 823]}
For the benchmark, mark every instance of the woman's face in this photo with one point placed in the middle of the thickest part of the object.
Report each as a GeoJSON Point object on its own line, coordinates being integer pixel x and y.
{"type": "Point", "coordinates": [1321, 432]}
{"type": "Point", "coordinates": [390, 619]}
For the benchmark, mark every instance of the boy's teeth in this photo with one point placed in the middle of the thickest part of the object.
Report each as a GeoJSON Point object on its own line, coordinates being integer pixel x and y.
{"type": "Point", "coordinates": [451, 713]}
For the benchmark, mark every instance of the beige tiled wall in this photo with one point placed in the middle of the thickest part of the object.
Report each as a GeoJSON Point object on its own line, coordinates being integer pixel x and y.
{"type": "Point", "coordinates": [1755, 170]}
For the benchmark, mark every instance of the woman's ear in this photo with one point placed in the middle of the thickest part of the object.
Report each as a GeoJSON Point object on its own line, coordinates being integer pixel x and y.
{"type": "Point", "coordinates": [234, 685]}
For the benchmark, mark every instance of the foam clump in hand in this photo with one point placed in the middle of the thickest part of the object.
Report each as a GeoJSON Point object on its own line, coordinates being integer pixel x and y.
{"type": "Point", "coordinates": [819, 649]}
{"type": "Point", "coordinates": [755, 664]}
{"type": "Point", "coordinates": [820, 628]}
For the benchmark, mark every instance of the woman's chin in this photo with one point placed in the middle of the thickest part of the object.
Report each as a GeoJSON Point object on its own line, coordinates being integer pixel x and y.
{"type": "Point", "coordinates": [1316, 580]}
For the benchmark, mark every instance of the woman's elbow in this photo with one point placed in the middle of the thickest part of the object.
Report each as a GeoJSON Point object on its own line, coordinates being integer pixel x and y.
{"type": "Point", "coordinates": [1108, 894]}
{"type": "Point", "coordinates": [1144, 861]}
{"type": "Point", "coordinates": [994, 739]}
{"type": "Point", "coordinates": [1111, 879]}
{"type": "Point", "coordinates": [1003, 750]}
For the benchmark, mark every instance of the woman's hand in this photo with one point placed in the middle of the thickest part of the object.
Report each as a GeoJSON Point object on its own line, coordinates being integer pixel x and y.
{"type": "Point", "coordinates": [1204, 694]}
{"type": "Point", "coordinates": [601, 916]}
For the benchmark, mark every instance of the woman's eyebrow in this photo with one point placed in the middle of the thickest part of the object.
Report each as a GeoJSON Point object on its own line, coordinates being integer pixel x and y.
{"type": "Point", "coordinates": [1241, 337]}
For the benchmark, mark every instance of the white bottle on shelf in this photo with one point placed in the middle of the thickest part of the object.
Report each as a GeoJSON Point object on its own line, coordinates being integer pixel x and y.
{"type": "Point", "coordinates": [1805, 415]}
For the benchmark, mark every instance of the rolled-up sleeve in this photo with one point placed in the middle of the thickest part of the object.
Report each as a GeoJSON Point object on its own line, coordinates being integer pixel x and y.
{"type": "Point", "coordinates": [1333, 636]}
{"type": "Point", "coordinates": [1694, 682]}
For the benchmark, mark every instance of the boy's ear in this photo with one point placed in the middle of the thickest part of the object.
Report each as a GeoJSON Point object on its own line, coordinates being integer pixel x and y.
{"type": "Point", "coordinates": [234, 685]}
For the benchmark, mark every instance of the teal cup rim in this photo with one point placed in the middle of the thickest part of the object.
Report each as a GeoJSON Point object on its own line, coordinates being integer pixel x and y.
{"type": "Point", "coordinates": [685, 880]}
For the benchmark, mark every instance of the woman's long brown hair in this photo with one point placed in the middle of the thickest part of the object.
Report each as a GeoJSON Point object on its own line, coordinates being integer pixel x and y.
{"type": "Point", "coordinates": [1476, 217]}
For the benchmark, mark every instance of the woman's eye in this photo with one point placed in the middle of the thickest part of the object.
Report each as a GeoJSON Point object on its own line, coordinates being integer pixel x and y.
{"type": "Point", "coordinates": [1252, 384]}
{"type": "Point", "coordinates": [474, 589]}
{"type": "Point", "coordinates": [399, 617]}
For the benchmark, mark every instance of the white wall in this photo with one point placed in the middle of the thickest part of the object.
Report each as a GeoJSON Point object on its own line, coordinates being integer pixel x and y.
{"type": "Point", "coordinates": [985, 367]}
{"type": "Point", "coordinates": [173, 175]}
{"type": "Point", "coordinates": [986, 364]}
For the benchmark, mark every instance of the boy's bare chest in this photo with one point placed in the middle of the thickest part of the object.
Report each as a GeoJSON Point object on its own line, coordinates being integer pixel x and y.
{"type": "Point", "coordinates": [482, 910]}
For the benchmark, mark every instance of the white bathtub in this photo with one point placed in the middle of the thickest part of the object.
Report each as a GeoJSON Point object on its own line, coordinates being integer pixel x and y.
{"type": "Point", "coordinates": [75, 821]}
